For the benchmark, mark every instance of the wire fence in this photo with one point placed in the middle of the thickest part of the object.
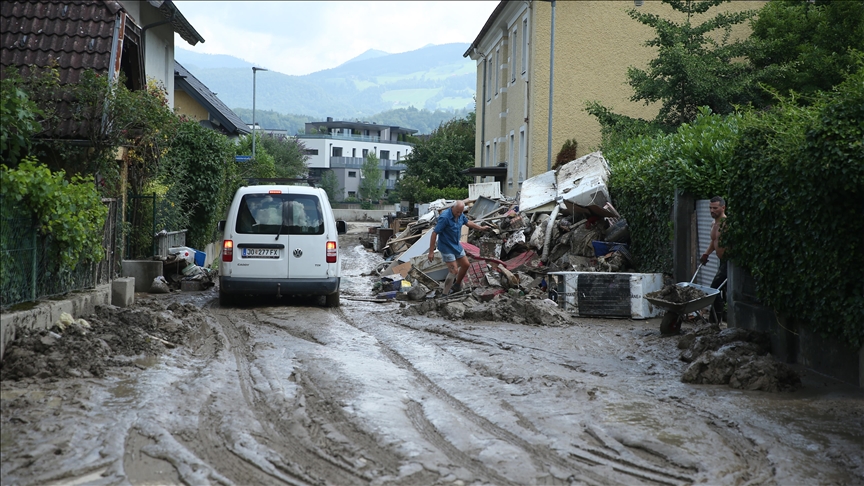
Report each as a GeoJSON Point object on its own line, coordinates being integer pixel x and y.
{"type": "Point", "coordinates": [147, 215]}
{"type": "Point", "coordinates": [30, 266]}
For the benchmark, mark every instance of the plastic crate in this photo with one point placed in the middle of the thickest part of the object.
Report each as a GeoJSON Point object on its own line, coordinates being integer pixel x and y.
{"type": "Point", "coordinates": [605, 247]}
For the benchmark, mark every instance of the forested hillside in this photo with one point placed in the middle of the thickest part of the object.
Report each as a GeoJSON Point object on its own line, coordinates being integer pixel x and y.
{"type": "Point", "coordinates": [424, 121]}
{"type": "Point", "coordinates": [430, 79]}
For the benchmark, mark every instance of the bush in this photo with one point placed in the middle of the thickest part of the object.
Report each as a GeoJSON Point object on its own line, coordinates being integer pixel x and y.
{"type": "Point", "coordinates": [71, 211]}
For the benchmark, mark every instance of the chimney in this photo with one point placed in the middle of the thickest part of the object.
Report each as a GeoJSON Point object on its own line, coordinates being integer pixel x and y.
{"type": "Point", "coordinates": [329, 118]}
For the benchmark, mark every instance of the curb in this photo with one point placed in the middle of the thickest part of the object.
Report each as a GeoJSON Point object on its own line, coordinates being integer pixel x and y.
{"type": "Point", "coordinates": [47, 312]}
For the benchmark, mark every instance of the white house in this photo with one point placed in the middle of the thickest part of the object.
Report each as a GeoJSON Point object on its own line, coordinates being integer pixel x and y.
{"type": "Point", "coordinates": [158, 20]}
{"type": "Point", "coordinates": [341, 146]}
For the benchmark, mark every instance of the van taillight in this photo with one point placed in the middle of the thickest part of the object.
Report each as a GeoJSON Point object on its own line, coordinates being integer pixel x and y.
{"type": "Point", "coordinates": [227, 251]}
{"type": "Point", "coordinates": [331, 252]}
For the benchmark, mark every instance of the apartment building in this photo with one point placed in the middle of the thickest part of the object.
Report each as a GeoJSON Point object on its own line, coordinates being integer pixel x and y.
{"type": "Point", "coordinates": [595, 42]}
{"type": "Point", "coordinates": [342, 146]}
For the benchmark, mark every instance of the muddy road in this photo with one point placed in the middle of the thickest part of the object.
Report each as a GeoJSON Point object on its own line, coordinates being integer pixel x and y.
{"type": "Point", "coordinates": [291, 392]}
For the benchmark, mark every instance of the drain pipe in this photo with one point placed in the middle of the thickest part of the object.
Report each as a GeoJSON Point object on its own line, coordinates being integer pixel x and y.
{"type": "Point", "coordinates": [549, 227]}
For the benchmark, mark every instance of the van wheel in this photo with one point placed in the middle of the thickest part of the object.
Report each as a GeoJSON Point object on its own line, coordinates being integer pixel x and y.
{"type": "Point", "coordinates": [333, 299]}
{"type": "Point", "coordinates": [225, 300]}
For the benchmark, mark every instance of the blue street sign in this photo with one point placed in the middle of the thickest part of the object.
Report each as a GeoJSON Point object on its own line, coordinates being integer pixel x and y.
{"type": "Point", "coordinates": [242, 158]}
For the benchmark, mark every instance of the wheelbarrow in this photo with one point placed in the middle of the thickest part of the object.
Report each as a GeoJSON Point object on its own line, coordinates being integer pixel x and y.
{"type": "Point", "coordinates": [676, 311]}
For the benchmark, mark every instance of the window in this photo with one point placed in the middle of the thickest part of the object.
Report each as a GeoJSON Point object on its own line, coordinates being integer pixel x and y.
{"type": "Point", "coordinates": [398, 155]}
{"type": "Point", "coordinates": [337, 152]}
{"type": "Point", "coordinates": [523, 156]}
{"type": "Point", "coordinates": [497, 70]}
{"type": "Point", "coordinates": [385, 155]}
{"type": "Point", "coordinates": [352, 193]}
{"type": "Point", "coordinates": [486, 160]}
{"type": "Point", "coordinates": [311, 151]}
{"type": "Point", "coordinates": [283, 214]}
{"type": "Point", "coordinates": [524, 45]}
{"type": "Point", "coordinates": [352, 174]}
{"type": "Point", "coordinates": [510, 151]}
{"type": "Point", "coordinates": [512, 56]}
{"type": "Point", "coordinates": [489, 79]}
{"type": "Point", "coordinates": [494, 160]}
{"type": "Point", "coordinates": [365, 153]}
{"type": "Point", "coordinates": [353, 152]}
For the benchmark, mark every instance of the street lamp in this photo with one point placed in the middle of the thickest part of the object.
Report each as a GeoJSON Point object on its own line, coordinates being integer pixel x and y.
{"type": "Point", "coordinates": [254, 71]}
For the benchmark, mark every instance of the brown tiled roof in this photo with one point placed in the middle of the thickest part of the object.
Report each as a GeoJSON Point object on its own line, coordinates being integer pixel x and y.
{"type": "Point", "coordinates": [77, 35]}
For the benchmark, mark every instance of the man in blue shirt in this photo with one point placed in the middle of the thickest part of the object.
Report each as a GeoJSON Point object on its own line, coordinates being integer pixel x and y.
{"type": "Point", "coordinates": [447, 234]}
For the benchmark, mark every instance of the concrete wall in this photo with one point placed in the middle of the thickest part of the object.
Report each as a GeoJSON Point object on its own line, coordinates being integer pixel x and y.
{"type": "Point", "coordinates": [47, 312]}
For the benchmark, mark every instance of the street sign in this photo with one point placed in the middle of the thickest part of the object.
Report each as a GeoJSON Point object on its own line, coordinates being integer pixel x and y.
{"type": "Point", "coordinates": [242, 158]}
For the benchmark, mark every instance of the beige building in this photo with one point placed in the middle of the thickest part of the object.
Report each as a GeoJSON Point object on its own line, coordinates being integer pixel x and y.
{"type": "Point", "coordinates": [594, 44]}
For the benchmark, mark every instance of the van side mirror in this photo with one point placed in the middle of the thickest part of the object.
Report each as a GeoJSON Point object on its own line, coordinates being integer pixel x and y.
{"type": "Point", "coordinates": [221, 226]}
{"type": "Point", "coordinates": [341, 227]}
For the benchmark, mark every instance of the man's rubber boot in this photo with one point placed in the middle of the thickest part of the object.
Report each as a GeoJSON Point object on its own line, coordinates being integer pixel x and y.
{"type": "Point", "coordinates": [448, 282]}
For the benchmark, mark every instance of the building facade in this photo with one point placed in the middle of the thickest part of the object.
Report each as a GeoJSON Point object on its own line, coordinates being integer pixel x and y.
{"type": "Point", "coordinates": [595, 43]}
{"type": "Point", "coordinates": [342, 146]}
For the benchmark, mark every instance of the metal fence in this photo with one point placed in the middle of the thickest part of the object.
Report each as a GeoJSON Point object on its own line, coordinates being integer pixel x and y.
{"type": "Point", "coordinates": [147, 215]}
{"type": "Point", "coordinates": [30, 266]}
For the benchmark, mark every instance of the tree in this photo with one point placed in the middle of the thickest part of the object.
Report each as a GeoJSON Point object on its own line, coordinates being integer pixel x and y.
{"type": "Point", "coordinates": [696, 65]}
{"type": "Point", "coordinates": [200, 166]}
{"type": "Point", "coordinates": [263, 165]}
{"type": "Point", "coordinates": [804, 46]}
{"type": "Point", "coordinates": [439, 160]}
{"type": "Point", "coordinates": [289, 154]}
{"type": "Point", "coordinates": [18, 119]}
{"type": "Point", "coordinates": [371, 185]}
{"type": "Point", "coordinates": [330, 184]}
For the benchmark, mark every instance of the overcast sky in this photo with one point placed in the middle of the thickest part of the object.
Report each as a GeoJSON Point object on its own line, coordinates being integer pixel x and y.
{"type": "Point", "coordinates": [303, 37]}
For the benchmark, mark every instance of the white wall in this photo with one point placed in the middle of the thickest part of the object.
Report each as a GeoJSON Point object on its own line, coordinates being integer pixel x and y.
{"type": "Point", "coordinates": [324, 147]}
{"type": "Point", "coordinates": [158, 45]}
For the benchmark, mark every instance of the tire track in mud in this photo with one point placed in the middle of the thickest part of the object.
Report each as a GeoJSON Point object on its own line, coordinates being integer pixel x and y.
{"type": "Point", "coordinates": [315, 465]}
{"type": "Point", "coordinates": [542, 456]}
{"type": "Point", "coordinates": [322, 412]}
{"type": "Point", "coordinates": [429, 432]}
{"type": "Point", "coordinates": [634, 467]}
{"type": "Point", "coordinates": [594, 455]}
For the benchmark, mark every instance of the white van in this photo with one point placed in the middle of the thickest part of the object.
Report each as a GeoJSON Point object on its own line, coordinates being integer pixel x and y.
{"type": "Point", "coordinates": [280, 240]}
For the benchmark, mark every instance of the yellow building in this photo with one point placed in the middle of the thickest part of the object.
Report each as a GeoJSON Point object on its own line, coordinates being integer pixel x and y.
{"type": "Point", "coordinates": [595, 42]}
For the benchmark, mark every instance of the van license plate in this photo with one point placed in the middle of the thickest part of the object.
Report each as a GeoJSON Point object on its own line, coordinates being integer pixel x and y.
{"type": "Point", "coordinates": [260, 253]}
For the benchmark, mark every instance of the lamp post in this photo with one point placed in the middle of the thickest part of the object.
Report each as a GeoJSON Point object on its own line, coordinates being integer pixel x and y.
{"type": "Point", "coordinates": [254, 71]}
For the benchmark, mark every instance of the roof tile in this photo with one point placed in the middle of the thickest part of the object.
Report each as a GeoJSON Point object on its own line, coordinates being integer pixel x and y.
{"type": "Point", "coordinates": [74, 35]}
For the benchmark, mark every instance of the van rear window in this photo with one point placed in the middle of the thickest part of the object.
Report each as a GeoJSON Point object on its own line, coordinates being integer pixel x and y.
{"type": "Point", "coordinates": [284, 214]}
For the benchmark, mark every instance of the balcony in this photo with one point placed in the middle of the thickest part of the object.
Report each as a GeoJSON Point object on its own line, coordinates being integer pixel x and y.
{"type": "Point", "coordinates": [357, 163]}
{"type": "Point", "coordinates": [352, 137]}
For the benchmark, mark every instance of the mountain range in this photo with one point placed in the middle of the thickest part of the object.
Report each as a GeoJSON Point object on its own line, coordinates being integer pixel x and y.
{"type": "Point", "coordinates": [435, 80]}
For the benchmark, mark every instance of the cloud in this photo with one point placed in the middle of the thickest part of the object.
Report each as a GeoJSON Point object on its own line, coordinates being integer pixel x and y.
{"type": "Point", "coordinates": [303, 37]}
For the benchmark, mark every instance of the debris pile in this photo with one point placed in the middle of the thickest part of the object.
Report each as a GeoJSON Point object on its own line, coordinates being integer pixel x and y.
{"type": "Point", "coordinates": [561, 221]}
{"type": "Point", "coordinates": [113, 336]}
{"type": "Point", "coordinates": [734, 356]}
{"type": "Point", "coordinates": [180, 271]}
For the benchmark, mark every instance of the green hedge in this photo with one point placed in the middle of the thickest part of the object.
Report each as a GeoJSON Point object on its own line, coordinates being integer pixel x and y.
{"type": "Point", "coordinates": [793, 178]}
{"type": "Point", "coordinates": [646, 172]}
{"type": "Point", "coordinates": [796, 196]}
